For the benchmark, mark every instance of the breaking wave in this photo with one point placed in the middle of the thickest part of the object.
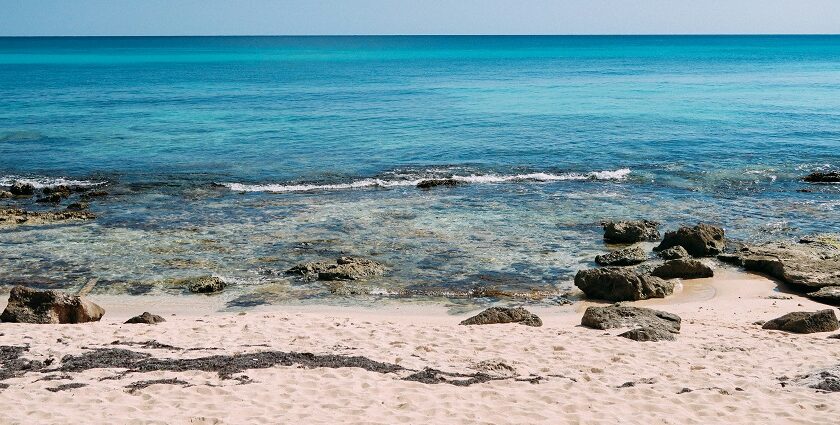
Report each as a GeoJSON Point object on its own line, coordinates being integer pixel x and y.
{"type": "Point", "coordinates": [42, 182]}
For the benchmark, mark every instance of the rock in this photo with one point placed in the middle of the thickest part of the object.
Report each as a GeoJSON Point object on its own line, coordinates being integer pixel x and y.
{"type": "Point", "coordinates": [147, 318]}
{"type": "Point", "coordinates": [623, 257]}
{"type": "Point", "coordinates": [673, 253]}
{"type": "Point", "coordinates": [16, 216]}
{"type": "Point", "coordinates": [205, 284]}
{"type": "Point", "coordinates": [345, 268]}
{"type": "Point", "coordinates": [827, 295]}
{"type": "Point", "coordinates": [829, 177]}
{"type": "Point", "coordinates": [648, 334]}
{"type": "Point", "coordinates": [682, 269]}
{"type": "Point", "coordinates": [60, 190]}
{"type": "Point", "coordinates": [702, 240]}
{"type": "Point", "coordinates": [346, 288]}
{"type": "Point", "coordinates": [630, 231]}
{"type": "Point", "coordinates": [809, 264]}
{"type": "Point", "coordinates": [52, 198]}
{"type": "Point", "coordinates": [827, 380]}
{"type": "Point", "coordinates": [49, 307]}
{"type": "Point", "coordinates": [4, 194]}
{"type": "Point", "coordinates": [77, 206]}
{"type": "Point", "coordinates": [430, 183]}
{"type": "Point", "coordinates": [805, 322]}
{"type": "Point", "coordinates": [495, 315]}
{"type": "Point", "coordinates": [22, 189]}
{"type": "Point", "coordinates": [618, 316]}
{"type": "Point", "coordinates": [93, 194]}
{"type": "Point", "coordinates": [621, 284]}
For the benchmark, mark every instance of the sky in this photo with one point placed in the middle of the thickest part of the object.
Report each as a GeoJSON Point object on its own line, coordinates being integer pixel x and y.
{"type": "Point", "coordinates": [348, 17]}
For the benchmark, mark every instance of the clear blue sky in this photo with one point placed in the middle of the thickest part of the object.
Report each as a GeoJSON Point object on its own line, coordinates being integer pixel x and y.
{"type": "Point", "coordinates": [223, 17]}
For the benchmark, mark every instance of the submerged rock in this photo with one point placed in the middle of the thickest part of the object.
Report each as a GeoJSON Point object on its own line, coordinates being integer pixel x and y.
{"type": "Point", "coordinates": [812, 263]}
{"type": "Point", "coordinates": [60, 190]}
{"type": "Point", "coordinates": [54, 198]}
{"type": "Point", "coordinates": [618, 316]}
{"type": "Point", "coordinates": [630, 231]}
{"type": "Point", "coordinates": [430, 183]}
{"type": "Point", "coordinates": [77, 206]}
{"type": "Point", "coordinates": [4, 194]}
{"type": "Point", "coordinates": [623, 257]}
{"type": "Point", "coordinates": [495, 315]}
{"type": "Point", "coordinates": [673, 253]}
{"type": "Point", "coordinates": [16, 216]}
{"type": "Point", "coordinates": [805, 322]}
{"type": "Point", "coordinates": [682, 269]}
{"type": "Point", "coordinates": [702, 240]}
{"type": "Point", "coordinates": [32, 306]}
{"type": "Point", "coordinates": [22, 189]}
{"type": "Point", "coordinates": [826, 294]}
{"type": "Point", "coordinates": [345, 268]}
{"type": "Point", "coordinates": [205, 284]}
{"type": "Point", "coordinates": [621, 284]}
{"type": "Point", "coordinates": [829, 177]}
{"type": "Point", "coordinates": [147, 318]}
{"type": "Point", "coordinates": [648, 334]}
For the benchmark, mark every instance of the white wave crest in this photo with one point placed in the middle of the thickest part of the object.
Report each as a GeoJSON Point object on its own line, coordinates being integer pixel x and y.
{"type": "Point", "coordinates": [473, 178]}
{"type": "Point", "coordinates": [42, 182]}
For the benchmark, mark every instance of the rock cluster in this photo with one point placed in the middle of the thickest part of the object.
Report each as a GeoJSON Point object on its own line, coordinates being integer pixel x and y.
{"type": "Point", "coordinates": [32, 306]}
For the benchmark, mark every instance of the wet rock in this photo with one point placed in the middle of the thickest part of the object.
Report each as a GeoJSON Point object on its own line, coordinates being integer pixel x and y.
{"type": "Point", "coordinates": [618, 316]}
{"type": "Point", "coordinates": [345, 268]}
{"type": "Point", "coordinates": [827, 295]}
{"type": "Point", "coordinates": [495, 315]}
{"type": "Point", "coordinates": [812, 263]}
{"type": "Point", "coordinates": [346, 288]}
{"type": "Point", "coordinates": [93, 194]}
{"type": "Point", "coordinates": [805, 322]}
{"type": "Point", "coordinates": [621, 284]}
{"type": "Point", "coordinates": [4, 194]}
{"type": "Point", "coordinates": [147, 318]}
{"type": "Point", "coordinates": [22, 189]}
{"type": "Point", "coordinates": [630, 231]}
{"type": "Point", "coordinates": [623, 257]}
{"type": "Point", "coordinates": [673, 253]}
{"type": "Point", "coordinates": [431, 183]}
{"type": "Point", "coordinates": [16, 216]}
{"type": "Point", "coordinates": [60, 190]}
{"type": "Point", "coordinates": [829, 177]}
{"type": "Point", "coordinates": [54, 198]}
{"type": "Point", "coordinates": [682, 269]}
{"type": "Point", "coordinates": [45, 307]}
{"type": "Point", "coordinates": [648, 334]}
{"type": "Point", "coordinates": [702, 240]}
{"type": "Point", "coordinates": [205, 284]}
{"type": "Point", "coordinates": [77, 206]}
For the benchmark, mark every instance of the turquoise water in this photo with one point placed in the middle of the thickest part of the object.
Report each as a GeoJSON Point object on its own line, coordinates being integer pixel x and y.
{"type": "Point", "coordinates": [315, 143]}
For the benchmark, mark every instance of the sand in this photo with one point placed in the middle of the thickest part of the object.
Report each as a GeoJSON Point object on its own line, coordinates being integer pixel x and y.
{"type": "Point", "coordinates": [730, 365]}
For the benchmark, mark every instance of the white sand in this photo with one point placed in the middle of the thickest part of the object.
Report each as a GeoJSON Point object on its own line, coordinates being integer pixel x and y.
{"type": "Point", "coordinates": [731, 365]}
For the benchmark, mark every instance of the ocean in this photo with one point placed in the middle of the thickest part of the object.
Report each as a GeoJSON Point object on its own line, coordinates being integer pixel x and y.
{"type": "Point", "coordinates": [243, 156]}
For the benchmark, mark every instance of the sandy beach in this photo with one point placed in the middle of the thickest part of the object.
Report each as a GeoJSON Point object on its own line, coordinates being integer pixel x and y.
{"type": "Point", "coordinates": [722, 368]}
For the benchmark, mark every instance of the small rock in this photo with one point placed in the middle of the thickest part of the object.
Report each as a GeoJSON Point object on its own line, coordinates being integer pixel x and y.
{"type": "Point", "coordinates": [630, 231]}
{"type": "Point", "coordinates": [205, 284]}
{"type": "Point", "coordinates": [430, 183]}
{"type": "Point", "coordinates": [147, 318]}
{"type": "Point", "coordinates": [682, 269]}
{"type": "Point", "coordinates": [805, 322]}
{"type": "Point", "coordinates": [673, 253]}
{"type": "Point", "coordinates": [648, 334]}
{"type": "Point", "coordinates": [5, 194]}
{"type": "Point", "coordinates": [495, 315]}
{"type": "Point", "coordinates": [48, 307]}
{"type": "Point", "coordinates": [621, 284]}
{"type": "Point", "coordinates": [623, 257]}
{"type": "Point", "coordinates": [702, 240]}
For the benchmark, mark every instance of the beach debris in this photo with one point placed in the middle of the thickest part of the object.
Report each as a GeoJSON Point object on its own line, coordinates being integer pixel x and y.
{"type": "Point", "coordinates": [805, 322]}
{"type": "Point", "coordinates": [648, 334]}
{"type": "Point", "coordinates": [673, 253]}
{"type": "Point", "coordinates": [435, 376]}
{"type": "Point", "coordinates": [13, 365]}
{"type": "Point", "coordinates": [22, 189]}
{"type": "Point", "coordinates": [204, 284]}
{"type": "Point", "coordinates": [32, 306]}
{"type": "Point", "coordinates": [67, 387]}
{"type": "Point", "coordinates": [15, 216]}
{"type": "Point", "coordinates": [623, 257]}
{"type": "Point", "coordinates": [431, 183]}
{"type": "Point", "coordinates": [345, 268]}
{"type": "Point", "coordinates": [147, 318]}
{"type": "Point", "coordinates": [683, 268]}
{"type": "Point", "coordinates": [621, 284]}
{"type": "Point", "coordinates": [829, 177]}
{"type": "Point", "coordinates": [630, 231]}
{"type": "Point", "coordinates": [702, 240]}
{"type": "Point", "coordinates": [810, 264]}
{"type": "Point", "coordinates": [139, 385]}
{"type": "Point", "coordinates": [494, 315]}
{"type": "Point", "coordinates": [619, 316]}
{"type": "Point", "coordinates": [826, 294]}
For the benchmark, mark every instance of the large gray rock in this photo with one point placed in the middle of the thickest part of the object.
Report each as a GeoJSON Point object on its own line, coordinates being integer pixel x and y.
{"type": "Point", "coordinates": [48, 307]}
{"type": "Point", "coordinates": [630, 231]}
{"type": "Point", "coordinates": [682, 269]}
{"type": "Point", "coordinates": [805, 322]}
{"type": "Point", "coordinates": [618, 316]}
{"type": "Point", "coordinates": [813, 263]}
{"type": "Point", "coordinates": [345, 268]}
{"type": "Point", "coordinates": [673, 253]}
{"type": "Point", "coordinates": [495, 315]}
{"type": "Point", "coordinates": [621, 284]}
{"type": "Point", "coordinates": [826, 294]}
{"type": "Point", "coordinates": [702, 240]}
{"type": "Point", "coordinates": [622, 257]}
{"type": "Point", "coordinates": [648, 334]}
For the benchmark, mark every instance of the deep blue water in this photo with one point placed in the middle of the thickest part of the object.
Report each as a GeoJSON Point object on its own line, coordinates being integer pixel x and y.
{"type": "Point", "coordinates": [322, 138]}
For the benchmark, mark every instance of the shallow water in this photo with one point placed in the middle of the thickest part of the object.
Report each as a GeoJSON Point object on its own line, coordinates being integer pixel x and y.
{"type": "Point", "coordinates": [243, 156]}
